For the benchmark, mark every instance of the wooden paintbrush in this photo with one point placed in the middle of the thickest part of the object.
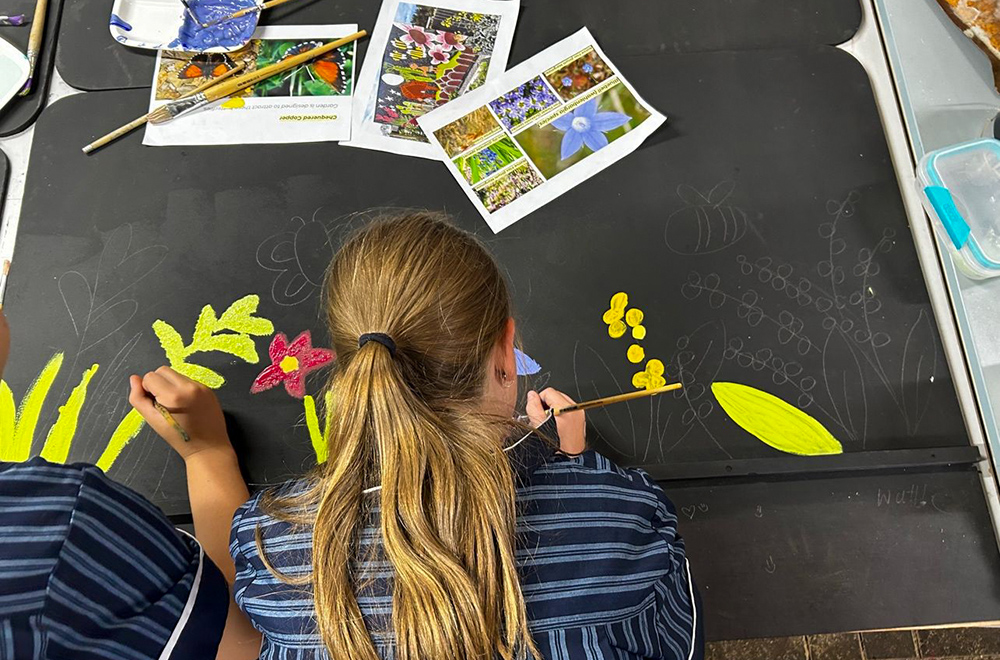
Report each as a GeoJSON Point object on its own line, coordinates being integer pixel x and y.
{"type": "Point", "coordinates": [244, 12]}
{"type": "Point", "coordinates": [597, 403]}
{"type": "Point", "coordinates": [182, 106]}
{"type": "Point", "coordinates": [35, 42]}
{"type": "Point", "coordinates": [132, 125]}
{"type": "Point", "coordinates": [174, 424]}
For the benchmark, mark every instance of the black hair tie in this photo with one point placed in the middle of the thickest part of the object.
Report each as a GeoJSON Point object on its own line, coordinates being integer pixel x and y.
{"type": "Point", "coordinates": [378, 337]}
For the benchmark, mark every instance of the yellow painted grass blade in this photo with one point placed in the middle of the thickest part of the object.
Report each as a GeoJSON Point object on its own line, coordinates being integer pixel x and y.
{"type": "Point", "coordinates": [30, 410]}
{"type": "Point", "coordinates": [315, 434]}
{"type": "Point", "coordinates": [60, 437]}
{"type": "Point", "coordinates": [8, 414]}
{"type": "Point", "coordinates": [127, 429]}
{"type": "Point", "coordinates": [775, 422]}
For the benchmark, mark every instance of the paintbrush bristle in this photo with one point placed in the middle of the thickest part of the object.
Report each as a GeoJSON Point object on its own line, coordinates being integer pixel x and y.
{"type": "Point", "coordinates": [160, 115]}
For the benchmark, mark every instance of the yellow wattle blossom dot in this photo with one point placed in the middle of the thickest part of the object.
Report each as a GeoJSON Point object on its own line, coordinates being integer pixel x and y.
{"type": "Point", "coordinates": [635, 353]}
{"type": "Point", "coordinates": [639, 332]}
{"type": "Point", "coordinates": [619, 301]}
{"type": "Point", "coordinates": [634, 316]}
{"type": "Point", "coordinates": [651, 378]}
{"type": "Point", "coordinates": [612, 315]}
{"type": "Point", "coordinates": [617, 329]}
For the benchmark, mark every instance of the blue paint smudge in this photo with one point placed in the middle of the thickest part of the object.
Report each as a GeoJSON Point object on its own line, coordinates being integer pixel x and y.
{"type": "Point", "coordinates": [227, 34]}
{"type": "Point", "coordinates": [117, 21]}
{"type": "Point", "coordinates": [525, 365]}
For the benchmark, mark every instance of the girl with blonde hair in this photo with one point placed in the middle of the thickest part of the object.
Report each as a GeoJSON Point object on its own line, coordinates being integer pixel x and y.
{"type": "Point", "coordinates": [440, 527]}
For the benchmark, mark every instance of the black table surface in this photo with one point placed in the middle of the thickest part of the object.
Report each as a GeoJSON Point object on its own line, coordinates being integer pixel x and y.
{"type": "Point", "coordinates": [89, 58]}
{"type": "Point", "coordinates": [22, 110]}
{"type": "Point", "coordinates": [794, 139]}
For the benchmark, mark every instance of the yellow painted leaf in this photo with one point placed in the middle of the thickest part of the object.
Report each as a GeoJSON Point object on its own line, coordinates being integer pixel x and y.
{"type": "Point", "coordinates": [775, 422]}
{"type": "Point", "coordinates": [127, 429]}
{"type": "Point", "coordinates": [206, 324]}
{"type": "Point", "coordinates": [201, 374]}
{"type": "Point", "coordinates": [30, 409]}
{"type": "Point", "coordinates": [239, 345]}
{"type": "Point", "coordinates": [635, 354]}
{"type": "Point", "coordinates": [616, 329]}
{"type": "Point", "coordinates": [170, 340]}
{"type": "Point", "coordinates": [7, 419]}
{"type": "Point", "coordinates": [239, 317]}
{"type": "Point", "coordinates": [634, 317]}
{"type": "Point", "coordinates": [60, 437]}
{"type": "Point", "coordinates": [639, 332]}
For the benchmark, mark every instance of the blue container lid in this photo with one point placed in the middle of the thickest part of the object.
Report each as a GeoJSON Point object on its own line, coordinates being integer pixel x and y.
{"type": "Point", "coordinates": [961, 184]}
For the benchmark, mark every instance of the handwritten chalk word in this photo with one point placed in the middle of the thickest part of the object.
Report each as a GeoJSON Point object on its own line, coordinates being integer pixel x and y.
{"type": "Point", "coordinates": [914, 496]}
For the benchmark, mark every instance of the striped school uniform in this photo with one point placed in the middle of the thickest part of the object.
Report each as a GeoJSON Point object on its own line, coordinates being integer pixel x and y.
{"type": "Point", "coordinates": [603, 570]}
{"type": "Point", "coordinates": [90, 570]}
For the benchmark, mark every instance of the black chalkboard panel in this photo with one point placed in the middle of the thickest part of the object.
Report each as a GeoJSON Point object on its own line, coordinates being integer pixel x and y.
{"type": "Point", "coordinates": [22, 110]}
{"type": "Point", "coordinates": [89, 58]}
{"type": "Point", "coordinates": [815, 295]}
{"type": "Point", "coordinates": [832, 555]}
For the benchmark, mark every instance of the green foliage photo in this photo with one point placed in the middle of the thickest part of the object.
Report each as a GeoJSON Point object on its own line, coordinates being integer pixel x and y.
{"type": "Point", "coordinates": [328, 75]}
{"type": "Point", "coordinates": [489, 160]}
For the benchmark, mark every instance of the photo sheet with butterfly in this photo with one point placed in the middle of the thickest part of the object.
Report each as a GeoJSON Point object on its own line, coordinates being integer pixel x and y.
{"type": "Point", "coordinates": [308, 103]}
{"type": "Point", "coordinates": [421, 56]}
{"type": "Point", "coordinates": [540, 129]}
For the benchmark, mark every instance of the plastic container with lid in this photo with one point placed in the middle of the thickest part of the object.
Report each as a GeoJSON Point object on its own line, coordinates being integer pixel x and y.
{"type": "Point", "coordinates": [960, 186]}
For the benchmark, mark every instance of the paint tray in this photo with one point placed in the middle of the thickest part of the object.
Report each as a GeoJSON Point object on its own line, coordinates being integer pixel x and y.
{"type": "Point", "coordinates": [960, 186]}
{"type": "Point", "coordinates": [167, 25]}
{"type": "Point", "coordinates": [13, 71]}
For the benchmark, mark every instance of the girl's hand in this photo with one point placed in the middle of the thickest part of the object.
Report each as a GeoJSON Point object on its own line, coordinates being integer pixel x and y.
{"type": "Point", "coordinates": [192, 405]}
{"type": "Point", "coordinates": [572, 427]}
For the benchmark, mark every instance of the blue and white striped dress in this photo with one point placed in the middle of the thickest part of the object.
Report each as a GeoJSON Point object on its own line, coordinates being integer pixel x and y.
{"type": "Point", "coordinates": [603, 570]}
{"type": "Point", "coordinates": [90, 570]}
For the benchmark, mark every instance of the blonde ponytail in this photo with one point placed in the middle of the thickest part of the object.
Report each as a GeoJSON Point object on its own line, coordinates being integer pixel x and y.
{"type": "Point", "coordinates": [411, 420]}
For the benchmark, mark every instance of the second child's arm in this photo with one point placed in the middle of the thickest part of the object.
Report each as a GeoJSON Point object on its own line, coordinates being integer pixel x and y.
{"type": "Point", "coordinates": [215, 486]}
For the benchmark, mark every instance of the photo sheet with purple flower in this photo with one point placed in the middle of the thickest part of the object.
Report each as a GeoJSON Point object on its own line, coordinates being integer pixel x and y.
{"type": "Point", "coordinates": [421, 56]}
{"type": "Point", "coordinates": [543, 127]}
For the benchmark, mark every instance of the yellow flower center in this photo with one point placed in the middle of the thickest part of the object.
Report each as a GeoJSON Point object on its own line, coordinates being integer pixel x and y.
{"type": "Point", "coordinates": [289, 364]}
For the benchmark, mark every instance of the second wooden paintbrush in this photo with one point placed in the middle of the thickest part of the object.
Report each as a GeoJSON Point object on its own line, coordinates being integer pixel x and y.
{"type": "Point", "coordinates": [597, 403]}
{"type": "Point", "coordinates": [132, 125]}
{"type": "Point", "coordinates": [183, 106]}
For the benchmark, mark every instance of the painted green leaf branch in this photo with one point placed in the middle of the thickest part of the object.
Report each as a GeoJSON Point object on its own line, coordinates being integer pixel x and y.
{"type": "Point", "coordinates": [775, 422]}
{"type": "Point", "coordinates": [230, 333]}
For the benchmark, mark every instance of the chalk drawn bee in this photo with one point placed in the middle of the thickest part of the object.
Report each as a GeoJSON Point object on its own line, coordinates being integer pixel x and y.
{"type": "Point", "coordinates": [706, 224]}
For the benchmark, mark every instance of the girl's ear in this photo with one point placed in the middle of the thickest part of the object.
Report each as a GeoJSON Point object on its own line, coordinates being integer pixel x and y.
{"type": "Point", "coordinates": [508, 361]}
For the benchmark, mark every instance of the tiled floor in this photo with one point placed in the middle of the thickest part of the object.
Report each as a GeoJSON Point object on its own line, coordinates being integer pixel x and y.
{"type": "Point", "coordinates": [950, 644]}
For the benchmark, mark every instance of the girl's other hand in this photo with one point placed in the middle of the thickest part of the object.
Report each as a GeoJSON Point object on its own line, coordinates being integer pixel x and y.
{"type": "Point", "coordinates": [191, 404]}
{"type": "Point", "coordinates": [572, 427]}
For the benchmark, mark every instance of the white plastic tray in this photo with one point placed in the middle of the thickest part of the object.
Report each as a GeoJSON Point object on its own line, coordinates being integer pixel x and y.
{"type": "Point", "coordinates": [167, 25]}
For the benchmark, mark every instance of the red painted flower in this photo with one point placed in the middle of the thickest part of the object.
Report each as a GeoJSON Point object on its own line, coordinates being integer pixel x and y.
{"type": "Point", "coordinates": [290, 363]}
